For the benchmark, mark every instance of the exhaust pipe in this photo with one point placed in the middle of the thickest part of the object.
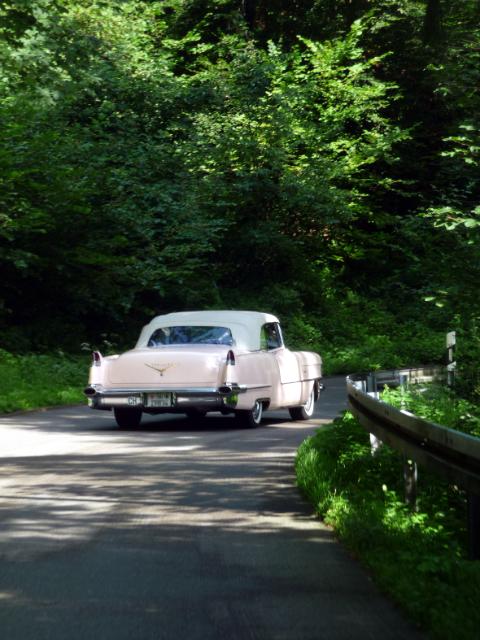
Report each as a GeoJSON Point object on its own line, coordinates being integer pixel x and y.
{"type": "Point", "coordinates": [90, 391]}
{"type": "Point", "coordinates": [225, 390]}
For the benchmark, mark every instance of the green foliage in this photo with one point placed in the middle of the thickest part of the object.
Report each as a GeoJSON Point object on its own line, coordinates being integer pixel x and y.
{"type": "Point", "coordinates": [142, 164]}
{"type": "Point", "coordinates": [354, 335]}
{"type": "Point", "coordinates": [438, 404]}
{"type": "Point", "coordinates": [34, 381]}
{"type": "Point", "coordinates": [162, 155]}
{"type": "Point", "coordinates": [383, 351]}
{"type": "Point", "coordinates": [418, 557]}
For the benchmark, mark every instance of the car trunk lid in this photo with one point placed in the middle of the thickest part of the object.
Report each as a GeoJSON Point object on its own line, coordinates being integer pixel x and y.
{"type": "Point", "coordinates": [163, 367]}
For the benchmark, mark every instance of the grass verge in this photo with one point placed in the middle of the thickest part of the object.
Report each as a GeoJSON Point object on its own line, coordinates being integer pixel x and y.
{"type": "Point", "coordinates": [419, 558]}
{"type": "Point", "coordinates": [36, 381]}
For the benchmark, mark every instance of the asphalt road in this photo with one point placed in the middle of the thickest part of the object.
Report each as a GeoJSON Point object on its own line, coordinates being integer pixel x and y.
{"type": "Point", "coordinates": [172, 531]}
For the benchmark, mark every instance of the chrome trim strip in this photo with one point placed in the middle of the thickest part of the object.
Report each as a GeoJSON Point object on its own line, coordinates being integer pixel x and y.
{"type": "Point", "coordinates": [241, 388]}
{"type": "Point", "coordinates": [303, 380]}
{"type": "Point", "coordinates": [251, 387]}
{"type": "Point", "coordinates": [210, 392]}
{"type": "Point", "coordinates": [140, 391]}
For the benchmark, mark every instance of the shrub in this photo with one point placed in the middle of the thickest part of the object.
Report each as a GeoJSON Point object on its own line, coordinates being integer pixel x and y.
{"type": "Point", "coordinates": [419, 557]}
{"type": "Point", "coordinates": [33, 381]}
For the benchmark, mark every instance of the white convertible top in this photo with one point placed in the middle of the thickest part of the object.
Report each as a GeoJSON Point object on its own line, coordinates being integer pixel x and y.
{"type": "Point", "coordinates": [244, 325]}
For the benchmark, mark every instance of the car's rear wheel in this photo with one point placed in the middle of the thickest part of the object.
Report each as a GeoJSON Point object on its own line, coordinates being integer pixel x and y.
{"type": "Point", "coordinates": [127, 418]}
{"type": "Point", "coordinates": [250, 418]}
{"type": "Point", "coordinates": [306, 410]}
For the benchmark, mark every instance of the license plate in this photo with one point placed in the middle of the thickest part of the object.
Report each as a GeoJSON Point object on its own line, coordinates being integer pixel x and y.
{"type": "Point", "coordinates": [159, 400]}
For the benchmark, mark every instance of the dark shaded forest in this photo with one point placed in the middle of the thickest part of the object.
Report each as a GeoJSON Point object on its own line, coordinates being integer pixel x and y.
{"type": "Point", "coordinates": [317, 159]}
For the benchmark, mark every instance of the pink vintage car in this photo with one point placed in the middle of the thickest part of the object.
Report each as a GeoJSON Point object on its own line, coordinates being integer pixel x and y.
{"type": "Point", "coordinates": [194, 362]}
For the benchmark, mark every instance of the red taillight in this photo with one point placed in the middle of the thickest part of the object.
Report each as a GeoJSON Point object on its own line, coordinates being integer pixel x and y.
{"type": "Point", "coordinates": [97, 358]}
{"type": "Point", "coordinates": [230, 357]}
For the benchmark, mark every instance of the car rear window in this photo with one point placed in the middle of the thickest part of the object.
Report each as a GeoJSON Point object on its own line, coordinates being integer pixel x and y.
{"type": "Point", "coordinates": [190, 335]}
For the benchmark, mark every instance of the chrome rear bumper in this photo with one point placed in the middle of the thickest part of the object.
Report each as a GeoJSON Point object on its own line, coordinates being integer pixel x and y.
{"type": "Point", "coordinates": [180, 399]}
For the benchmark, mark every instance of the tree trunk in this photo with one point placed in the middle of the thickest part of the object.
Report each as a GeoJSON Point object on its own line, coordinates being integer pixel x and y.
{"type": "Point", "coordinates": [432, 24]}
{"type": "Point", "coordinates": [353, 9]}
{"type": "Point", "coordinates": [249, 12]}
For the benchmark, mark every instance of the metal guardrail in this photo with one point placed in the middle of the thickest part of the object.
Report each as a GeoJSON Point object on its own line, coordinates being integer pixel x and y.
{"type": "Point", "coordinates": [453, 454]}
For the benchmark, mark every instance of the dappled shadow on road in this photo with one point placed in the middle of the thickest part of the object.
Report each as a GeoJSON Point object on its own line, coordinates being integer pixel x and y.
{"type": "Point", "coordinates": [171, 581]}
{"type": "Point", "coordinates": [204, 469]}
{"type": "Point", "coordinates": [54, 499]}
{"type": "Point", "coordinates": [200, 542]}
{"type": "Point", "coordinates": [69, 474]}
{"type": "Point", "coordinates": [202, 536]}
{"type": "Point", "coordinates": [82, 420]}
{"type": "Point", "coordinates": [209, 544]}
{"type": "Point", "coordinates": [174, 530]}
{"type": "Point", "coordinates": [71, 471]}
{"type": "Point", "coordinates": [60, 432]}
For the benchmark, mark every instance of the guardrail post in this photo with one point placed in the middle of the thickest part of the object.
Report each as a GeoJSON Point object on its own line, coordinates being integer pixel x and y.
{"type": "Point", "coordinates": [403, 379]}
{"type": "Point", "coordinates": [410, 475]}
{"type": "Point", "coordinates": [410, 469]}
{"type": "Point", "coordinates": [372, 384]}
{"type": "Point", "coordinates": [375, 443]}
{"type": "Point", "coordinates": [451, 364]}
{"type": "Point", "coordinates": [473, 508]}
